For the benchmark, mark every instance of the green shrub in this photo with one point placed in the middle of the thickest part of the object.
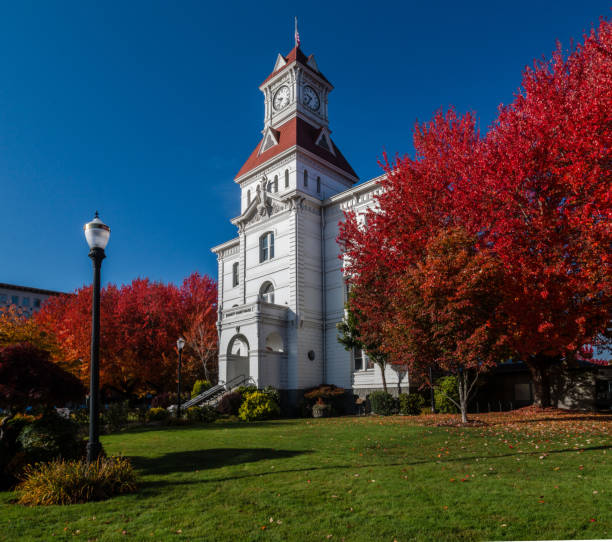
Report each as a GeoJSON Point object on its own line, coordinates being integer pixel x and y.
{"type": "Point", "coordinates": [51, 437]}
{"type": "Point", "coordinates": [12, 458]}
{"type": "Point", "coordinates": [200, 386]}
{"type": "Point", "coordinates": [230, 403]}
{"type": "Point", "coordinates": [70, 482]}
{"type": "Point", "coordinates": [115, 416]}
{"type": "Point", "coordinates": [158, 414]}
{"type": "Point", "coordinates": [193, 414]}
{"type": "Point", "coordinates": [208, 414]}
{"type": "Point", "coordinates": [258, 405]}
{"type": "Point", "coordinates": [411, 403]}
{"type": "Point", "coordinates": [444, 388]}
{"type": "Point", "coordinates": [383, 403]}
{"type": "Point", "coordinates": [203, 414]}
{"type": "Point", "coordinates": [243, 390]}
{"type": "Point", "coordinates": [272, 393]}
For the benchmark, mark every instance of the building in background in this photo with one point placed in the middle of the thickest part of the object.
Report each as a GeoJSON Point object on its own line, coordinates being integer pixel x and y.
{"type": "Point", "coordinates": [28, 300]}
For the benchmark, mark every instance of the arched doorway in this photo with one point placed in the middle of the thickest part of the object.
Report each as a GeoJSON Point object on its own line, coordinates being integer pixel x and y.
{"type": "Point", "coordinates": [237, 357]}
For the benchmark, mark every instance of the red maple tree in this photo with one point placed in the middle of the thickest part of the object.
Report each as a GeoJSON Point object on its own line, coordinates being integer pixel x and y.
{"type": "Point", "coordinates": [544, 203]}
{"type": "Point", "coordinates": [535, 191]}
{"type": "Point", "coordinates": [140, 323]}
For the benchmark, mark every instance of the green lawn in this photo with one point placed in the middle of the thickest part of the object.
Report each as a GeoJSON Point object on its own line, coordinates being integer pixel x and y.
{"type": "Point", "coordinates": [348, 479]}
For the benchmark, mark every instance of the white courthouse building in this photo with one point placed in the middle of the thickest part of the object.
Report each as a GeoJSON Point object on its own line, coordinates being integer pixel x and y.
{"type": "Point", "coordinates": [281, 289]}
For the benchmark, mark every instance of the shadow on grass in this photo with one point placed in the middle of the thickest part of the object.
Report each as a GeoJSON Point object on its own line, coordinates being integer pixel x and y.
{"type": "Point", "coordinates": [189, 461]}
{"type": "Point", "coordinates": [417, 462]}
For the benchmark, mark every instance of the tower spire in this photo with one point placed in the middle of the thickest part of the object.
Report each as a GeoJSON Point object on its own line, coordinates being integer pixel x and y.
{"type": "Point", "coordinates": [297, 34]}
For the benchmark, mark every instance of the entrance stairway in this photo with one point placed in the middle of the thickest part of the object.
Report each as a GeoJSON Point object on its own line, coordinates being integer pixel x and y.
{"type": "Point", "coordinates": [212, 395]}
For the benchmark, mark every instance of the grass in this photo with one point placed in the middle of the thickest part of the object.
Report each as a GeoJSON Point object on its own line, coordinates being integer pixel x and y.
{"type": "Point", "coordinates": [368, 479]}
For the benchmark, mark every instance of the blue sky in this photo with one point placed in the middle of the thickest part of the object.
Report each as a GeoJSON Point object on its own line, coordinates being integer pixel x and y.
{"type": "Point", "coordinates": [146, 110]}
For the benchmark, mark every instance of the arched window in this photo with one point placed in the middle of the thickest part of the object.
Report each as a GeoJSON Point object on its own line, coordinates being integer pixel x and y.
{"type": "Point", "coordinates": [318, 185]}
{"type": "Point", "coordinates": [248, 197]}
{"type": "Point", "coordinates": [266, 247]}
{"type": "Point", "coordinates": [275, 184]}
{"type": "Point", "coordinates": [305, 178]}
{"type": "Point", "coordinates": [269, 187]}
{"type": "Point", "coordinates": [266, 293]}
{"type": "Point", "coordinates": [286, 178]}
{"type": "Point", "coordinates": [235, 274]}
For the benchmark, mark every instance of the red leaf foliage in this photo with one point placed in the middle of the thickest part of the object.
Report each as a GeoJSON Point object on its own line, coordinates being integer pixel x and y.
{"type": "Point", "coordinates": [140, 323]}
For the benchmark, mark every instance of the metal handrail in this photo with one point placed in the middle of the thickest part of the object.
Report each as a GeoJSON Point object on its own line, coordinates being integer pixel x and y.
{"type": "Point", "coordinates": [221, 386]}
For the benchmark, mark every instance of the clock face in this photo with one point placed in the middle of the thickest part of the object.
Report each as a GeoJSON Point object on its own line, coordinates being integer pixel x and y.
{"type": "Point", "coordinates": [281, 98]}
{"type": "Point", "coordinates": [311, 98]}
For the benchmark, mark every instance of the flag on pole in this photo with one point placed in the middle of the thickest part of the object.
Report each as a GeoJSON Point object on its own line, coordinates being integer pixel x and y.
{"type": "Point", "coordinates": [297, 34]}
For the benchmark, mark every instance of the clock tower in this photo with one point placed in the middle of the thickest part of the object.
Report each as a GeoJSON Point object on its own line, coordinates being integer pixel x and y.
{"type": "Point", "coordinates": [296, 87]}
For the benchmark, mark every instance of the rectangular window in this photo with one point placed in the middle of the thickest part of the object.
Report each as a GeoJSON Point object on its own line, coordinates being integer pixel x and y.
{"type": "Point", "coordinates": [358, 359]}
{"type": "Point", "coordinates": [263, 248]}
{"type": "Point", "coordinates": [3, 298]}
{"type": "Point", "coordinates": [37, 303]}
{"type": "Point", "coordinates": [15, 300]}
{"type": "Point", "coordinates": [318, 185]}
{"type": "Point", "coordinates": [271, 236]}
{"type": "Point", "coordinates": [235, 275]}
{"type": "Point", "coordinates": [25, 301]}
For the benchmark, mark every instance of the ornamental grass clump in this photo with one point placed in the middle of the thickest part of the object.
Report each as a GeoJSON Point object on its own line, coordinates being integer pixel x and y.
{"type": "Point", "coordinates": [72, 482]}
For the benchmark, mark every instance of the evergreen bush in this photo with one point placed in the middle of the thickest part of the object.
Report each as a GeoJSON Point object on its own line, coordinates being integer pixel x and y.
{"type": "Point", "coordinates": [411, 403]}
{"type": "Point", "coordinates": [444, 388]}
{"type": "Point", "coordinates": [158, 414]}
{"type": "Point", "coordinates": [258, 405]}
{"type": "Point", "coordinates": [51, 437]}
{"type": "Point", "coordinates": [204, 414]}
{"type": "Point", "coordinates": [383, 403]}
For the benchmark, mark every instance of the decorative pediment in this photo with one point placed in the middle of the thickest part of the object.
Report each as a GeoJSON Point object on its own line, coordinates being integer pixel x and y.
{"type": "Point", "coordinates": [270, 138]}
{"type": "Point", "coordinates": [280, 62]}
{"type": "Point", "coordinates": [263, 206]}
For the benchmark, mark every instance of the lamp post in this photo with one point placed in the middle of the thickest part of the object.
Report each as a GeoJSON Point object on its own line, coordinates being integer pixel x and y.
{"type": "Point", "coordinates": [180, 344]}
{"type": "Point", "coordinates": [97, 234]}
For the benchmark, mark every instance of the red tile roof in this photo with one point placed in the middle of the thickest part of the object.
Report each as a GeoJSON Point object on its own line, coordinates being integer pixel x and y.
{"type": "Point", "coordinates": [296, 55]}
{"type": "Point", "coordinates": [296, 131]}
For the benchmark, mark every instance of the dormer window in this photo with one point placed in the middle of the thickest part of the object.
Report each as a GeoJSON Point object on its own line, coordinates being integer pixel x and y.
{"type": "Point", "coordinates": [266, 247]}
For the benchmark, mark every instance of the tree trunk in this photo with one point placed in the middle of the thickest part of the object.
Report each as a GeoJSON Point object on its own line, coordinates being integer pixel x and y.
{"type": "Point", "coordinates": [384, 378]}
{"type": "Point", "coordinates": [539, 367]}
{"type": "Point", "coordinates": [463, 393]}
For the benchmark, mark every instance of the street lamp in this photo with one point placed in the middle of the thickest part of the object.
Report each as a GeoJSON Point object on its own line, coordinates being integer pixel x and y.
{"type": "Point", "coordinates": [97, 234]}
{"type": "Point", "coordinates": [180, 344]}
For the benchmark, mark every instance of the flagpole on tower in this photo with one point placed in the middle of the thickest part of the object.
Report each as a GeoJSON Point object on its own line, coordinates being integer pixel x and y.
{"type": "Point", "coordinates": [297, 34]}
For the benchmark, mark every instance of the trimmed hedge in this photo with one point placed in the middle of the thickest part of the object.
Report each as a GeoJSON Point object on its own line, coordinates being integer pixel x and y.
{"type": "Point", "coordinates": [411, 404]}
{"type": "Point", "coordinates": [383, 403]}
